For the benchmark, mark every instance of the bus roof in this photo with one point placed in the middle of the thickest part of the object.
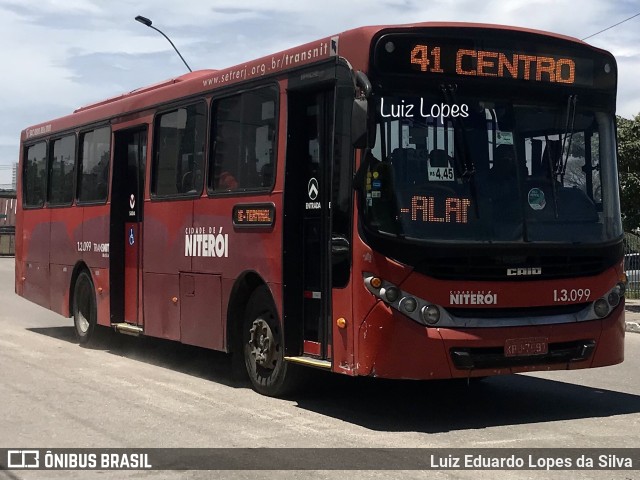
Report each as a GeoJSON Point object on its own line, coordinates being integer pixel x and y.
{"type": "Point", "coordinates": [348, 43]}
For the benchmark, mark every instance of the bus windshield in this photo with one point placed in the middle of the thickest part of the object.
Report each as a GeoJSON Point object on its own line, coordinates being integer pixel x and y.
{"type": "Point", "coordinates": [491, 170]}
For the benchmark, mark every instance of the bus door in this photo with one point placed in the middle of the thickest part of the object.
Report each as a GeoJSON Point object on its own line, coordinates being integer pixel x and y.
{"type": "Point", "coordinates": [130, 152]}
{"type": "Point", "coordinates": [307, 241]}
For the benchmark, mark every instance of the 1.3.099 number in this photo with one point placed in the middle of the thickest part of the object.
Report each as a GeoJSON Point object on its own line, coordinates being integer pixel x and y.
{"type": "Point", "coordinates": [573, 295]}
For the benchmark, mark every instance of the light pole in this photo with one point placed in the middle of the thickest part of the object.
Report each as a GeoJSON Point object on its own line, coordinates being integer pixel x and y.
{"type": "Point", "coordinates": [149, 23]}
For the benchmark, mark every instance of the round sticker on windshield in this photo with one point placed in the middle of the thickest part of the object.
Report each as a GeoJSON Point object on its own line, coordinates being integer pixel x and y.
{"type": "Point", "coordinates": [536, 199]}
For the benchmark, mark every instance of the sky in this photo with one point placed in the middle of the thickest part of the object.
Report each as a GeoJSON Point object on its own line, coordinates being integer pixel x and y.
{"type": "Point", "coordinates": [57, 55]}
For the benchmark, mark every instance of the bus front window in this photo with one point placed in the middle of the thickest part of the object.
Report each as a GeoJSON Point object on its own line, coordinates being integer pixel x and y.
{"type": "Point", "coordinates": [496, 172]}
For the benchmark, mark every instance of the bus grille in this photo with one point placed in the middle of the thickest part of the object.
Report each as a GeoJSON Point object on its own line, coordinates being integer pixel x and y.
{"type": "Point", "coordinates": [480, 358]}
{"type": "Point", "coordinates": [495, 267]}
{"type": "Point", "coordinates": [517, 312]}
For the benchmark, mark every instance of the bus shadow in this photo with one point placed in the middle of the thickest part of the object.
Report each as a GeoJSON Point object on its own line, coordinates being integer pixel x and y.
{"type": "Point", "coordinates": [198, 362]}
{"type": "Point", "coordinates": [390, 405]}
{"type": "Point", "coordinates": [447, 405]}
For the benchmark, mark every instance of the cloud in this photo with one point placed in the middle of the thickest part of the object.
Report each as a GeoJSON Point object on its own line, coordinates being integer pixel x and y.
{"type": "Point", "coordinates": [60, 54]}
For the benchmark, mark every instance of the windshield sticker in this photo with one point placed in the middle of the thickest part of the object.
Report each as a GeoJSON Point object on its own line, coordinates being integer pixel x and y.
{"type": "Point", "coordinates": [406, 142]}
{"type": "Point", "coordinates": [441, 174]}
{"type": "Point", "coordinates": [536, 199]}
{"type": "Point", "coordinates": [504, 138]}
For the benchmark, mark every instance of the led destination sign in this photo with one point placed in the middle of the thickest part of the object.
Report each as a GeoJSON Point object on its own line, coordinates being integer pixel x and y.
{"type": "Point", "coordinates": [254, 215]}
{"type": "Point", "coordinates": [423, 209]}
{"type": "Point", "coordinates": [490, 57]}
{"type": "Point", "coordinates": [497, 64]}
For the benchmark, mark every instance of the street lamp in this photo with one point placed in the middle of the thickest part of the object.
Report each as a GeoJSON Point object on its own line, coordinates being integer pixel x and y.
{"type": "Point", "coordinates": [148, 23]}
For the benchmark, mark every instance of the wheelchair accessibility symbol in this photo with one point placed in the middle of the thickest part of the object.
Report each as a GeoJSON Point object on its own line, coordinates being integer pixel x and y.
{"type": "Point", "coordinates": [132, 239]}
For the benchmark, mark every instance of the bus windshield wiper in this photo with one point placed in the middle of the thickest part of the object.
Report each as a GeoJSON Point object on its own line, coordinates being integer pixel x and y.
{"type": "Point", "coordinates": [568, 132]}
{"type": "Point", "coordinates": [469, 168]}
{"type": "Point", "coordinates": [554, 187]}
{"type": "Point", "coordinates": [461, 144]}
{"type": "Point", "coordinates": [560, 168]}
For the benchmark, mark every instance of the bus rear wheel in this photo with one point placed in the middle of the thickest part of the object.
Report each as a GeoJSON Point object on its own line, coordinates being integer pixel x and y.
{"type": "Point", "coordinates": [263, 347]}
{"type": "Point", "coordinates": [85, 314]}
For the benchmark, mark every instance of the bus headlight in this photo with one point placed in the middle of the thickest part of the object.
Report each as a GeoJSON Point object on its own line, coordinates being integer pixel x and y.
{"type": "Point", "coordinates": [409, 304]}
{"type": "Point", "coordinates": [616, 294]}
{"type": "Point", "coordinates": [391, 294]}
{"type": "Point", "coordinates": [601, 307]}
{"type": "Point", "coordinates": [430, 314]}
{"type": "Point", "coordinates": [418, 309]}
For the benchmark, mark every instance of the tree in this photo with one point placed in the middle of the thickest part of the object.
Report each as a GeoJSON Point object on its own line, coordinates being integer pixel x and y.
{"type": "Point", "coordinates": [629, 170]}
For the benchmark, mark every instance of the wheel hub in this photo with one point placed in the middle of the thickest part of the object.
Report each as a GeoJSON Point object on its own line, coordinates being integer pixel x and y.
{"type": "Point", "coordinates": [262, 344]}
{"type": "Point", "coordinates": [83, 323]}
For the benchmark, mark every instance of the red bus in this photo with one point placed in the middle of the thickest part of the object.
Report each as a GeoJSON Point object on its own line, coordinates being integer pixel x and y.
{"type": "Point", "coordinates": [425, 201]}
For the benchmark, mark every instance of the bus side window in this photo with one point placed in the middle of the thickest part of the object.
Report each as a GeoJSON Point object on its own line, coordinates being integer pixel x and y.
{"type": "Point", "coordinates": [62, 164]}
{"type": "Point", "coordinates": [244, 130]}
{"type": "Point", "coordinates": [35, 175]}
{"type": "Point", "coordinates": [93, 165]}
{"type": "Point", "coordinates": [179, 151]}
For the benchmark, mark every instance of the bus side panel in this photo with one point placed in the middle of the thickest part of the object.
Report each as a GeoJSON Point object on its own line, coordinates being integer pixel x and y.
{"type": "Point", "coordinates": [95, 235]}
{"type": "Point", "coordinates": [246, 249]}
{"type": "Point", "coordinates": [258, 248]}
{"type": "Point", "coordinates": [35, 240]}
{"type": "Point", "coordinates": [59, 291]}
{"type": "Point", "coordinates": [162, 313]}
{"type": "Point", "coordinates": [165, 224]}
{"type": "Point", "coordinates": [100, 278]}
{"type": "Point", "coordinates": [200, 310]}
{"type": "Point", "coordinates": [66, 235]}
{"type": "Point", "coordinates": [66, 232]}
{"type": "Point", "coordinates": [343, 338]}
{"type": "Point", "coordinates": [164, 257]}
{"type": "Point", "coordinates": [95, 229]}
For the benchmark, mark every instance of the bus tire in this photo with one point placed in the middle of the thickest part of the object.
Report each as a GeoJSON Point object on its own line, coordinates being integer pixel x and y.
{"type": "Point", "coordinates": [85, 312]}
{"type": "Point", "coordinates": [263, 347]}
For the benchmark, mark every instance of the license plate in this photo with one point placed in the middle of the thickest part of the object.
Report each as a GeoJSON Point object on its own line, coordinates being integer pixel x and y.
{"type": "Point", "coordinates": [518, 347]}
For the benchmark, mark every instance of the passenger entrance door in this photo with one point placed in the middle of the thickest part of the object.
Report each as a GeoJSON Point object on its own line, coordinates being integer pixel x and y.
{"type": "Point", "coordinates": [307, 238]}
{"type": "Point", "coordinates": [130, 154]}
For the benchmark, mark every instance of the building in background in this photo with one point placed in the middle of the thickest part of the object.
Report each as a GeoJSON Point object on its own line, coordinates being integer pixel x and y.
{"type": "Point", "coordinates": [14, 175]}
{"type": "Point", "coordinates": [7, 222]}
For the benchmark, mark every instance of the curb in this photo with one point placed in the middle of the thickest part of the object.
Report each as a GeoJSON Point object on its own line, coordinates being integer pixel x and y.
{"type": "Point", "coordinates": [633, 327]}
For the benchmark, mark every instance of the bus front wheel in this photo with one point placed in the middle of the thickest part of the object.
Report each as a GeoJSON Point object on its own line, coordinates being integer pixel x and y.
{"type": "Point", "coordinates": [263, 347]}
{"type": "Point", "coordinates": [85, 314]}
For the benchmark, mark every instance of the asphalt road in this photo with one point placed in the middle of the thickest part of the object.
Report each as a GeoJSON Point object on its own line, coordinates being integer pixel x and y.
{"type": "Point", "coordinates": [140, 392]}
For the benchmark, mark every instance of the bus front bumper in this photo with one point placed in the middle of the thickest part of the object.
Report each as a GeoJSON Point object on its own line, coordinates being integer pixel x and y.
{"type": "Point", "coordinates": [391, 345]}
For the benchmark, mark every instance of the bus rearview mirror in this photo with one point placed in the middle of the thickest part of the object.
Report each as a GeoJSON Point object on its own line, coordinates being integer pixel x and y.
{"type": "Point", "coordinates": [362, 128]}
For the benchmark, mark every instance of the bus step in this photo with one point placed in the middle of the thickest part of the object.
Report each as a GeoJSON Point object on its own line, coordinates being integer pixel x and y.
{"type": "Point", "coordinates": [310, 361]}
{"type": "Point", "coordinates": [127, 329]}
